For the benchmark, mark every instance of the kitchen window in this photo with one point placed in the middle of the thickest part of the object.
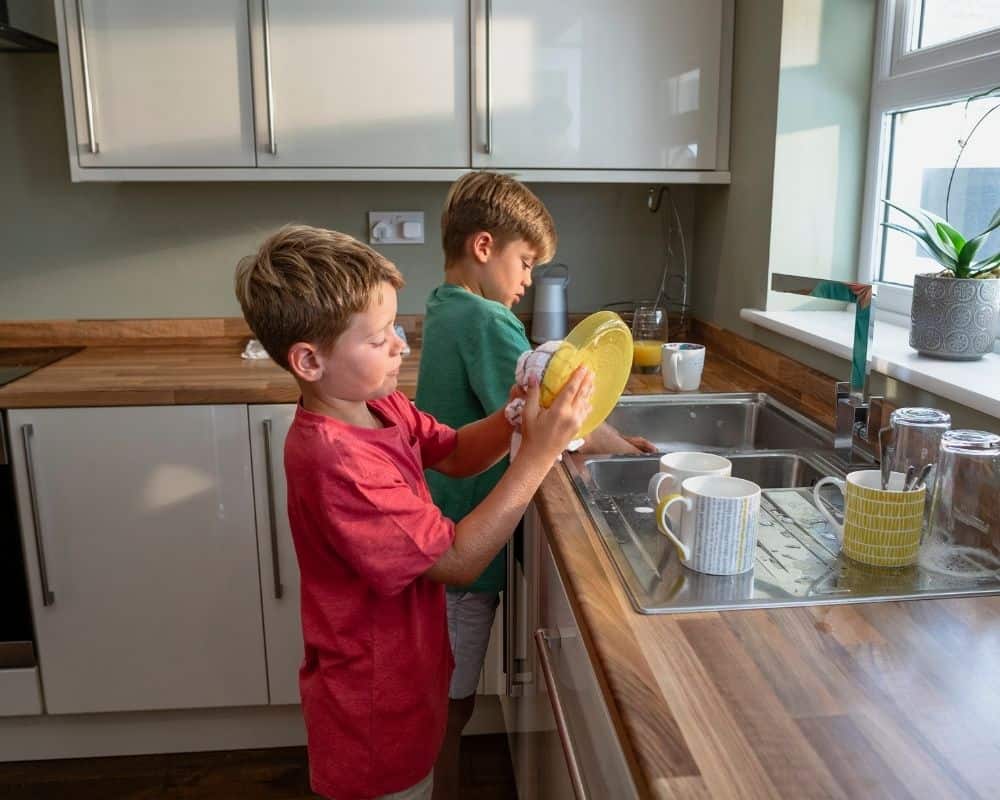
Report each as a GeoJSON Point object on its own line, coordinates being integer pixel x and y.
{"type": "Point", "coordinates": [931, 56]}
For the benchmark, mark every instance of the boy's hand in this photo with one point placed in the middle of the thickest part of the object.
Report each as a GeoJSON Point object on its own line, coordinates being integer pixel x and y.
{"type": "Point", "coordinates": [547, 432]}
{"type": "Point", "coordinates": [608, 441]}
{"type": "Point", "coordinates": [640, 444]}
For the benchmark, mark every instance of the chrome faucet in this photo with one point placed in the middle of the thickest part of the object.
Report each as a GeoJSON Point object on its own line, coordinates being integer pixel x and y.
{"type": "Point", "coordinates": [854, 414]}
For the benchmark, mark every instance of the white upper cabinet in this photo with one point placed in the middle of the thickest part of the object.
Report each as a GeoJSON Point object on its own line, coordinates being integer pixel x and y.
{"type": "Point", "coordinates": [141, 554]}
{"type": "Point", "coordinates": [381, 83]}
{"type": "Point", "coordinates": [629, 85]}
{"type": "Point", "coordinates": [157, 84]}
{"type": "Point", "coordinates": [279, 569]}
{"type": "Point", "coordinates": [630, 90]}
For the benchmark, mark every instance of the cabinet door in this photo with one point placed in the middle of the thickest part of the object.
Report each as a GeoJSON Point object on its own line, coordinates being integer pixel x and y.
{"type": "Point", "coordinates": [383, 83]}
{"type": "Point", "coordinates": [588, 746]}
{"type": "Point", "coordinates": [158, 84]}
{"type": "Point", "coordinates": [631, 84]}
{"type": "Point", "coordinates": [279, 570]}
{"type": "Point", "coordinates": [138, 534]}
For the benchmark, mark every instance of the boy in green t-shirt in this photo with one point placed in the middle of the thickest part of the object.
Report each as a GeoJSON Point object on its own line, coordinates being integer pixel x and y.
{"type": "Point", "coordinates": [494, 230]}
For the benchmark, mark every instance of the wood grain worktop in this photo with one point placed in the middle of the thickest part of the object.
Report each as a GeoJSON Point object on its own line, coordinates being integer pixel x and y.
{"type": "Point", "coordinates": [894, 699]}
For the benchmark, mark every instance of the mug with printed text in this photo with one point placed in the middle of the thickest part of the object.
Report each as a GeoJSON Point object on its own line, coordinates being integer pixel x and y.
{"type": "Point", "coordinates": [719, 515]}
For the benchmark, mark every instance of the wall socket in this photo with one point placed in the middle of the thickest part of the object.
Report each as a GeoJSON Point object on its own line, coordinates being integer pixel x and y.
{"type": "Point", "coordinates": [396, 227]}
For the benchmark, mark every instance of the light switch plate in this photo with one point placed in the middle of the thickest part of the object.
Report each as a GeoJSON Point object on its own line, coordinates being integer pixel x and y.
{"type": "Point", "coordinates": [396, 227]}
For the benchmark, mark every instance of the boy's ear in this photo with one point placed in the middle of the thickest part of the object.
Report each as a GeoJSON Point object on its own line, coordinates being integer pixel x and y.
{"type": "Point", "coordinates": [304, 363]}
{"type": "Point", "coordinates": [481, 245]}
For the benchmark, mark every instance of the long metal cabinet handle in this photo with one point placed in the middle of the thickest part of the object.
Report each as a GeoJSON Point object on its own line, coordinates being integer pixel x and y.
{"type": "Point", "coordinates": [48, 598]}
{"type": "Point", "coordinates": [489, 77]}
{"type": "Point", "coordinates": [576, 777]}
{"type": "Point", "coordinates": [272, 144]}
{"type": "Point", "coordinates": [87, 96]}
{"type": "Point", "coordinates": [508, 620]}
{"type": "Point", "coordinates": [272, 516]}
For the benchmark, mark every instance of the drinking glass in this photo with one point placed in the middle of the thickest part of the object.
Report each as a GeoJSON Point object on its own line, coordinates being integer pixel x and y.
{"type": "Point", "coordinates": [963, 536]}
{"type": "Point", "coordinates": [649, 334]}
{"type": "Point", "coordinates": [916, 437]}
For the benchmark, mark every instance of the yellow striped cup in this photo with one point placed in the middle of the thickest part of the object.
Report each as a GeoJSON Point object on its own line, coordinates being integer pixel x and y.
{"type": "Point", "coordinates": [880, 527]}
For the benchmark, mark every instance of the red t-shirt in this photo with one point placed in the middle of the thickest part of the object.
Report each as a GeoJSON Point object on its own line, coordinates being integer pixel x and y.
{"type": "Point", "coordinates": [377, 665]}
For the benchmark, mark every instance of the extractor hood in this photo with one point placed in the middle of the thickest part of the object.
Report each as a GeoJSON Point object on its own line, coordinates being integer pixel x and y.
{"type": "Point", "coordinates": [27, 26]}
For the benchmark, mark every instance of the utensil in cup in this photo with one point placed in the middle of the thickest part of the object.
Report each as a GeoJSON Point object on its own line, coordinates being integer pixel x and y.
{"type": "Point", "coordinates": [717, 533]}
{"type": "Point", "coordinates": [880, 527]}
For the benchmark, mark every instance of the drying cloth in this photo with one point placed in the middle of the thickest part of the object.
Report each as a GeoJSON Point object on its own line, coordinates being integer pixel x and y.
{"type": "Point", "coordinates": [254, 349]}
{"type": "Point", "coordinates": [531, 364]}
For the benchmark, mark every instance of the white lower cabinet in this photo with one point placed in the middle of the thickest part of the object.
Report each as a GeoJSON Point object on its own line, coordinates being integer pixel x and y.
{"type": "Point", "coordinates": [563, 742]}
{"type": "Point", "coordinates": [279, 570]}
{"type": "Point", "coordinates": [138, 533]}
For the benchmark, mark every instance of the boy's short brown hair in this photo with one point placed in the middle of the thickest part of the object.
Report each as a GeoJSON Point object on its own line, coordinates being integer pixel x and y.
{"type": "Point", "coordinates": [500, 205]}
{"type": "Point", "coordinates": [303, 285]}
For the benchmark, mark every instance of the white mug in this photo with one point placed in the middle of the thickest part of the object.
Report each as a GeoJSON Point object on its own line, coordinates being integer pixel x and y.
{"type": "Point", "coordinates": [675, 468]}
{"type": "Point", "coordinates": [681, 364]}
{"type": "Point", "coordinates": [718, 529]}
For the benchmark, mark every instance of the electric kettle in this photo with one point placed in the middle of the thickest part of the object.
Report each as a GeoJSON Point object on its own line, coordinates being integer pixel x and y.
{"type": "Point", "coordinates": [548, 315]}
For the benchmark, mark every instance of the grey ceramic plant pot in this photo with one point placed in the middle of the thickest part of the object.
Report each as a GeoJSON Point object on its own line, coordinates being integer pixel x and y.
{"type": "Point", "coordinates": [954, 318]}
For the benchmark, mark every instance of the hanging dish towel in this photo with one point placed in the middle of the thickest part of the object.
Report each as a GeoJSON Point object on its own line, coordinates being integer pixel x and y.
{"type": "Point", "coordinates": [531, 365]}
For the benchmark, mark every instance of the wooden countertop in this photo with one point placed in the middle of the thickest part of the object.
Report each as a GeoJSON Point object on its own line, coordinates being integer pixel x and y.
{"type": "Point", "coordinates": [167, 374]}
{"type": "Point", "coordinates": [896, 699]}
{"type": "Point", "coordinates": [214, 372]}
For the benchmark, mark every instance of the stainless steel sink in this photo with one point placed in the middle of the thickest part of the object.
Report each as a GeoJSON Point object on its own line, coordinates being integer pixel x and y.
{"type": "Point", "coordinates": [623, 475]}
{"type": "Point", "coordinates": [797, 559]}
{"type": "Point", "coordinates": [721, 423]}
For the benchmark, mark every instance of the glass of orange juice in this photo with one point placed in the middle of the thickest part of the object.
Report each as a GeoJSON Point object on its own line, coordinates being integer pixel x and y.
{"type": "Point", "coordinates": [649, 334]}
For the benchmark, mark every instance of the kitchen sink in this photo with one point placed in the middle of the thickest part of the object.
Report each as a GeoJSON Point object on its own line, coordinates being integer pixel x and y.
{"type": "Point", "coordinates": [721, 423]}
{"type": "Point", "coordinates": [798, 558]}
{"type": "Point", "coordinates": [622, 475]}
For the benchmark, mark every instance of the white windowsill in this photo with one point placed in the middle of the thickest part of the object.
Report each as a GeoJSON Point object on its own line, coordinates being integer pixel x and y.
{"type": "Point", "coordinates": [975, 384]}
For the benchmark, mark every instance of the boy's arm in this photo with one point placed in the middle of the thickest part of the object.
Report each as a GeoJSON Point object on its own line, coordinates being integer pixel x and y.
{"type": "Point", "coordinates": [481, 444]}
{"type": "Point", "coordinates": [608, 441]}
{"type": "Point", "coordinates": [485, 529]}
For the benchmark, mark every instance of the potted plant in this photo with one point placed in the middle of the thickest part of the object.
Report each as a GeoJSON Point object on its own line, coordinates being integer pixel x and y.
{"type": "Point", "coordinates": [955, 311]}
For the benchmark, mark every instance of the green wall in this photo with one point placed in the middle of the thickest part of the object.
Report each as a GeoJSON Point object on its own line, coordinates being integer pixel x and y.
{"type": "Point", "coordinates": [801, 92]}
{"type": "Point", "coordinates": [112, 250]}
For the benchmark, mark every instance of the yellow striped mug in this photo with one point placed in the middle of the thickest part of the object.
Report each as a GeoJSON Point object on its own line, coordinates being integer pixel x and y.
{"type": "Point", "coordinates": [880, 527]}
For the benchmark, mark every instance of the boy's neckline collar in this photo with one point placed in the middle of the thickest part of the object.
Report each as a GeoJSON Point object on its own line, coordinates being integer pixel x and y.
{"type": "Point", "coordinates": [320, 417]}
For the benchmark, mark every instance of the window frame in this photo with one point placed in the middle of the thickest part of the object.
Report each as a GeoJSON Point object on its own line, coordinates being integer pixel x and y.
{"type": "Point", "coordinates": [906, 79]}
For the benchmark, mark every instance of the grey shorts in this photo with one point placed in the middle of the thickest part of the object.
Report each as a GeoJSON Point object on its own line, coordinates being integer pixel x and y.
{"type": "Point", "coordinates": [419, 791]}
{"type": "Point", "coordinates": [470, 621]}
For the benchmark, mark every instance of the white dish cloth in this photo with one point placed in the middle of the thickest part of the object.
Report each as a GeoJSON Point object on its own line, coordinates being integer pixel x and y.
{"type": "Point", "coordinates": [531, 364]}
{"type": "Point", "coordinates": [254, 349]}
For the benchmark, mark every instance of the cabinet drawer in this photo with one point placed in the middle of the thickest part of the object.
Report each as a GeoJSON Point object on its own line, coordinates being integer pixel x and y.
{"type": "Point", "coordinates": [20, 693]}
{"type": "Point", "coordinates": [593, 750]}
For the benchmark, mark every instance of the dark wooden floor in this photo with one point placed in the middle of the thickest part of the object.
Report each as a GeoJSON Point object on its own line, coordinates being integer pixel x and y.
{"type": "Point", "coordinates": [279, 774]}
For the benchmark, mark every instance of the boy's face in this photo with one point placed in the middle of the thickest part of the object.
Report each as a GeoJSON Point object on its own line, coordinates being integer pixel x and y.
{"type": "Point", "coordinates": [507, 272]}
{"type": "Point", "coordinates": [364, 362]}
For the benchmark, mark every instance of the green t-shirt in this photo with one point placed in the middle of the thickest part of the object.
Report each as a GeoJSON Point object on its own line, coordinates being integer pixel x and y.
{"type": "Point", "coordinates": [468, 355]}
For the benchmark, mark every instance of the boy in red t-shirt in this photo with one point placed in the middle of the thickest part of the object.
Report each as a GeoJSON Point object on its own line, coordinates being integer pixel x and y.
{"type": "Point", "coordinates": [374, 551]}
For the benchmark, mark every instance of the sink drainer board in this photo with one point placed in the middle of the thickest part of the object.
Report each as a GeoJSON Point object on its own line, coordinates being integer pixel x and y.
{"type": "Point", "coordinates": [797, 560]}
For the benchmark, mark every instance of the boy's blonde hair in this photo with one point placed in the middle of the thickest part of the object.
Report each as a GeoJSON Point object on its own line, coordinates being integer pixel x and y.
{"type": "Point", "coordinates": [303, 285]}
{"type": "Point", "coordinates": [500, 205]}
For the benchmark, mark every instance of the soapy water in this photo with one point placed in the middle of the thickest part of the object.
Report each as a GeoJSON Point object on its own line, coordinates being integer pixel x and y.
{"type": "Point", "coordinates": [947, 558]}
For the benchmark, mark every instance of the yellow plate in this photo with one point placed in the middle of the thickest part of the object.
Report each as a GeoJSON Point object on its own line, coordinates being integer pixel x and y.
{"type": "Point", "coordinates": [603, 343]}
